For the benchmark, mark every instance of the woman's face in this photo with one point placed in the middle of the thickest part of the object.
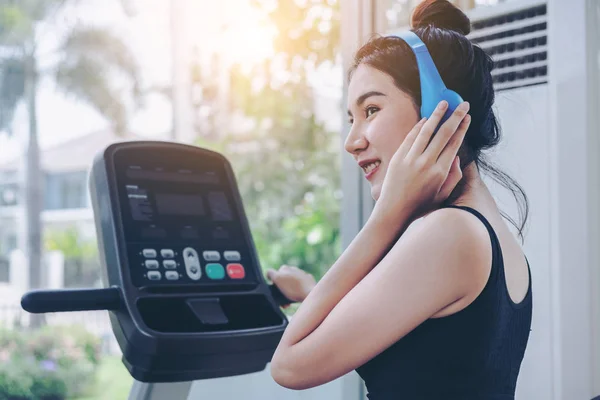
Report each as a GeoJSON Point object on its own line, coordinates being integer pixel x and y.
{"type": "Point", "coordinates": [381, 115]}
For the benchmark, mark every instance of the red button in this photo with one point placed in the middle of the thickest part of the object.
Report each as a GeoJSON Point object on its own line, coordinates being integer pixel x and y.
{"type": "Point", "coordinates": [236, 271]}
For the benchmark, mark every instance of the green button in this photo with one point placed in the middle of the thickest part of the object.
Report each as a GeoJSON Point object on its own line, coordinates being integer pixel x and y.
{"type": "Point", "coordinates": [215, 271]}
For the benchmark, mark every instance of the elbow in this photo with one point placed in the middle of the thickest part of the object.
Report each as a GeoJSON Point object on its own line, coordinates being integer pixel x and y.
{"type": "Point", "coordinates": [283, 377]}
{"type": "Point", "coordinates": [287, 376]}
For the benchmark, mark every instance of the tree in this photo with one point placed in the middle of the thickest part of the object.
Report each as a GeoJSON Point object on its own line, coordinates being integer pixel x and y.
{"type": "Point", "coordinates": [87, 64]}
{"type": "Point", "coordinates": [288, 164]}
{"type": "Point", "coordinates": [82, 266]}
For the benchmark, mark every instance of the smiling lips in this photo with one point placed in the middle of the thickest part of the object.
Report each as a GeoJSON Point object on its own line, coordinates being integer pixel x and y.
{"type": "Point", "coordinates": [369, 167]}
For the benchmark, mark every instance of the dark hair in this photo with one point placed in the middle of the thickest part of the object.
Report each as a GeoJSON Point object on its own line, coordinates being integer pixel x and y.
{"type": "Point", "coordinates": [465, 68]}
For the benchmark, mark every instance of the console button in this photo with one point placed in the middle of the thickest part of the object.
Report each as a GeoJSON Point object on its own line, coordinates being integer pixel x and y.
{"type": "Point", "coordinates": [172, 275]}
{"type": "Point", "coordinates": [149, 253]}
{"type": "Point", "coordinates": [167, 253]}
{"type": "Point", "coordinates": [232, 255]}
{"type": "Point", "coordinates": [215, 271]}
{"type": "Point", "coordinates": [169, 264]}
{"type": "Point", "coordinates": [151, 264]}
{"type": "Point", "coordinates": [236, 271]}
{"type": "Point", "coordinates": [154, 275]}
{"type": "Point", "coordinates": [211, 255]}
{"type": "Point", "coordinates": [192, 263]}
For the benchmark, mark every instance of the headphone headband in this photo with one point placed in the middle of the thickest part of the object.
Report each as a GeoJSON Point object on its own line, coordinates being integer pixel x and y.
{"type": "Point", "coordinates": [431, 81]}
{"type": "Point", "coordinates": [433, 89]}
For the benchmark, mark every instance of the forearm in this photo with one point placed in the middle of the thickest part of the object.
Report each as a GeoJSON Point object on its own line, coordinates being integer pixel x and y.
{"type": "Point", "coordinates": [364, 252]}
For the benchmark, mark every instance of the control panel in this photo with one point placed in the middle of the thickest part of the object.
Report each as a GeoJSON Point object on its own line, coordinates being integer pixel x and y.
{"type": "Point", "coordinates": [182, 278]}
{"type": "Point", "coordinates": [180, 221]}
{"type": "Point", "coordinates": [185, 264]}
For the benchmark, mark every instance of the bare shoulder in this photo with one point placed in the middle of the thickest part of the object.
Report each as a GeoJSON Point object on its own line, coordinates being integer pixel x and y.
{"type": "Point", "coordinates": [456, 241]}
{"type": "Point", "coordinates": [455, 226]}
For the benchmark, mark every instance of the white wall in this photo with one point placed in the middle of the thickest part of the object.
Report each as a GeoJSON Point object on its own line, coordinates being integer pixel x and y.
{"type": "Point", "coordinates": [573, 196]}
{"type": "Point", "coordinates": [524, 154]}
{"type": "Point", "coordinates": [551, 147]}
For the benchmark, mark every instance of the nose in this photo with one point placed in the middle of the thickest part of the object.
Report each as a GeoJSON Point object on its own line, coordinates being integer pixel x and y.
{"type": "Point", "coordinates": [355, 142]}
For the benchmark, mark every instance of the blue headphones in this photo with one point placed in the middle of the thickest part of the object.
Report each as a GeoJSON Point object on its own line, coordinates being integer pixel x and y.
{"type": "Point", "coordinates": [433, 89]}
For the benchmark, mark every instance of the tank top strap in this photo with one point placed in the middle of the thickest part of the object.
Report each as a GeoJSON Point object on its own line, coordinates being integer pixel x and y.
{"type": "Point", "coordinates": [497, 259]}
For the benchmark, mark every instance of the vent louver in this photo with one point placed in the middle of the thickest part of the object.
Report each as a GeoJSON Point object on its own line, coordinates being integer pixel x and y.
{"type": "Point", "coordinates": [517, 42]}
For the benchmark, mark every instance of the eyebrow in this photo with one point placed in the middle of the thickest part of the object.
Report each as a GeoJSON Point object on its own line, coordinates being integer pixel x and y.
{"type": "Point", "coordinates": [363, 97]}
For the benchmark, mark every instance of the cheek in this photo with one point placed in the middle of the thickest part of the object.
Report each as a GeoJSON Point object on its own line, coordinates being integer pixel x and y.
{"type": "Point", "coordinates": [386, 135]}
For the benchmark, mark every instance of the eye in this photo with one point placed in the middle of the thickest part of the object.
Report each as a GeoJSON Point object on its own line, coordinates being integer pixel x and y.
{"type": "Point", "coordinates": [370, 111]}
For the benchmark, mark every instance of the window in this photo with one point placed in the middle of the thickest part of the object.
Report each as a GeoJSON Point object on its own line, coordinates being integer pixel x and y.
{"type": "Point", "coordinates": [8, 194]}
{"type": "Point", "coordinates": [260, 84]}
{"type": "Point", "coordinates": [4, 269]}
{"type": "Point", "coordinates": [66, 190]}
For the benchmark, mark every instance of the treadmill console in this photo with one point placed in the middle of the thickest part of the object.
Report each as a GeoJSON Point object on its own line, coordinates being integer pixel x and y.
{"type": "Point", "coordinates": [181, 221]}
{"type": "Point", "coordinates": [183, 284]}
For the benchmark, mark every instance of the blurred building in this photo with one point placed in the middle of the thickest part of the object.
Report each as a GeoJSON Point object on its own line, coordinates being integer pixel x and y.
{"type": "Point", "coordinates": [66, 201]}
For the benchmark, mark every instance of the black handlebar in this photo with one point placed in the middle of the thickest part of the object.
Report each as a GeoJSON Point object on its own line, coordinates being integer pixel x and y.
{"type": "Point", "coordinates": [46, 301]}
{"type": "Point", "coordinates": [279, 297]}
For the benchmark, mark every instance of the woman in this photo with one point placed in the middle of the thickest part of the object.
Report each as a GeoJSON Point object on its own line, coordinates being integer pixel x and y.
{"type": "Point", "coordinates": [440, 310]}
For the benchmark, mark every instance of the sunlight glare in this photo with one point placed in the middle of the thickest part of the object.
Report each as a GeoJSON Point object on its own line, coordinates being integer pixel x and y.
{"type": "Point", "coordinates": [239, 33]}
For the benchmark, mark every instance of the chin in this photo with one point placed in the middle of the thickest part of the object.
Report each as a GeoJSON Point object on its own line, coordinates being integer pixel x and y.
{"type": "Point", "coordinates": [375, 192]}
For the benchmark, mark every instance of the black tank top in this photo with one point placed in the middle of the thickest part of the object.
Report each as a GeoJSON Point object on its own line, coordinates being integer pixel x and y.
{"type": "Point", "coordinates": [474, 354]}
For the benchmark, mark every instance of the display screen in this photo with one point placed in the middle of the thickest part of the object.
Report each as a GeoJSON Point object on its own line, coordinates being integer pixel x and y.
{"type": "Point", "coordinates": [175, 203]}
{"type": "Point", "coordinates": [180, 203]}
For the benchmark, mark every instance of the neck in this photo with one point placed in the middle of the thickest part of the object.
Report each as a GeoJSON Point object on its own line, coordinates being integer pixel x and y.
{"type": "Point", "coordinates": [471, 189]}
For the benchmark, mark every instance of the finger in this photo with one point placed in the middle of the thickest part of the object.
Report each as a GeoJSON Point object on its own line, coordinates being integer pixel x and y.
{"type": "Point", "coordinates": [410, 138]}
{"type": "Point", "coordinates": [271, 273]}
{"type": "Point", "coordinates": [448, 154]}
{"type": "Point", "coordinates": [424, 135]}
{"type": "Point", "coordinates": [454, 176]}
{"type": "Point", "coordinates": [446, 132]}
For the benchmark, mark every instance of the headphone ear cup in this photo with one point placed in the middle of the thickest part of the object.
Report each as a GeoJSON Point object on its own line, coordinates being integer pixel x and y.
{"type": "Point", "coordinates": [453, 100]}
{"type": "Point", "coordinates": [429, 104]}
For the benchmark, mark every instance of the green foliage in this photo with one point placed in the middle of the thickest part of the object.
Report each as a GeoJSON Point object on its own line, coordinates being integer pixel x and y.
{"type": "Point", "coordinates": [48, 385]}
{"type": "Point", "coordinates": [51, 363]}
{"type": "Point", "coordinates": [309, 239]}
{"type": "Point", "coordinates": [12, 89]}
{"type": "Point", "coordinates": [87, 61]}
{"type": "Point", "coordinates": [83, 64]}
{"type": "Point", "coordinates": [113, 381]}
{"type": "Point", "coordinates": [288, 164]}
{"type": "Point", "coordinates": [70, 243]}
{"type": "Point", "coordinates": [14, 384]}
{"type": "Point", "coordinates": [309, 30]}
{"type": "Point", "coordinates": [24, 379]}
{"type": "Point", "coordinates": [65, 345]}
{"type": "Point", "coordinates": [82, 266]}
{"type": "Point", "coordinates": [92, 59]}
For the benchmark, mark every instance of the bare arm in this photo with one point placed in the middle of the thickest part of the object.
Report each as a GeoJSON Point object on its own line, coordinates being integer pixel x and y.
{"type": "Point", "coordinates": [429, 268]}
{"type": "Point", "coordinates": [363, 253]}
{"type": "Point", "coordinates": [326, 336]}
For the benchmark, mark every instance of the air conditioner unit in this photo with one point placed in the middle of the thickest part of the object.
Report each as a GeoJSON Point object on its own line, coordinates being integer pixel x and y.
{"type": "Point", "coordinates": [516, 36]}
{"type": "Point", "coordinates": [547, 63]}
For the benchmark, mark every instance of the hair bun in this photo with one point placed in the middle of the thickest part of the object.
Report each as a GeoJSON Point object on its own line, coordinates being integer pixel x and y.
{"type": "Point", "coordinates": [440, 14]}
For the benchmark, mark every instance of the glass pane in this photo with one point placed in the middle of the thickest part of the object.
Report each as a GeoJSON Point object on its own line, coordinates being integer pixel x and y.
{"type": "Point", "coordinates": [259, 81]}
{"type": "Point", "coordinates": [396, 14]}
